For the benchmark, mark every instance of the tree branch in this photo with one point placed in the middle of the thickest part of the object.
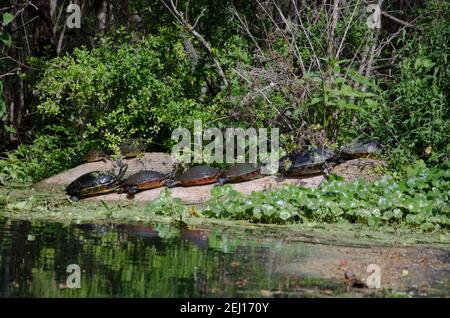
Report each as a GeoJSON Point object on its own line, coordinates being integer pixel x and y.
{"type": "Point", "coordinates": [398, 20]}
{"type": "Point", "coordinates": [185, 23]}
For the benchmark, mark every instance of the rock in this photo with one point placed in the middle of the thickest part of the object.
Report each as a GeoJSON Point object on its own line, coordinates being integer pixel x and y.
{"type": "Point", "coordinates": [157, 161]}
{"type": "Point", "coordinates": [200, 194]}
{"type": "Point", "coordinates": [162, 162]}
{"type": "Point", "coordinates": [351, 281]}
{"type": "Point", "coordinates": [366, 169]}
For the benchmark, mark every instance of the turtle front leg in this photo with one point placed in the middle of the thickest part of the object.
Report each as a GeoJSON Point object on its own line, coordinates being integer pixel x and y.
{"type": "Point", "coordinates": [74, 198]}
{"type": "Point", "coordinates": [131, 192]}
{"type": "Point", "coordinates": [326, 170]}
{"type": "Point", "coordinates": [222, 181]}
{"type": "Point", "coordinates": [172, 183]}
{"type": "Point", "coordinates": [169, 183]}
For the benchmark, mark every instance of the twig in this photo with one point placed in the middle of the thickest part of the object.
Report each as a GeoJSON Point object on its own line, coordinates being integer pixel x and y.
{"type": "Point", "coordinates": [12, 72]}
{"type": "Point", "coordinates": [24, 25]}
{"type": "Point", "coordinates": [60, 40]}
{"type": "Point", "coordinates": [18, 62]}
{"type": "Point", "coordinates": [5, 8]}
{"type": "Point", "coordinates": [346, 30]}
{"type": "Point", "coordinates": [59, 16]}
{"type": "Point", "coordinates": [26, 34]}
{"type": "Point", "coordinates": [307, 36]}
{"type": "Point", "coordinates": [332, 26]}
{"type": "Point", "coordinates": [299, 56]}
{"type": "Point", "coordinates": [198, 18]}
{"type": "Point", "coordinates": [185, 23]}
{"type": "Point", "coordinates": [246, 28]}
{"type": "Point", "coordinates": [407, 24]}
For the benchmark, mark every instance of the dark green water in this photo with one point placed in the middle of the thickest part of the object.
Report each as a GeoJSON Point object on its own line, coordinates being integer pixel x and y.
{"type": "Point", "coordinates": [144, 261]}
{"type": "Point", "coordinates": [139, 260]}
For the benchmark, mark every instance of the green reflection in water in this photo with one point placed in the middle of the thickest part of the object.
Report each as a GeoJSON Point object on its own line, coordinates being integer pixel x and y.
{"type": "Point", "coordinates": [144, 261]}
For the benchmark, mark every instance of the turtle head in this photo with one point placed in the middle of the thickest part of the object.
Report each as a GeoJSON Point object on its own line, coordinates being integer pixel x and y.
{"type": "Point", "coordinates": [123, 169]}
{"type": "Point", "coordinates": [170, 183]}
{"type": "Point", "coordinates": [169, 175]}
{"type": "Point", "coordinates": [222, 180]}
{"type": "Point", "coordinates": [286, 165]}
{"type": "Point", "coordinates": [339, 151]}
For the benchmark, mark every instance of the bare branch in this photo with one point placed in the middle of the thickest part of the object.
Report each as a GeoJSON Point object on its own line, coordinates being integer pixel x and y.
{"type": "Point", "coordinates": [12, 72]}
{"type": "Point", "coordinates": [407, 24]}
{"type": "Point", "coordinates": [338, 52]}
{"type": "Point", "coordinates": [185, 23]}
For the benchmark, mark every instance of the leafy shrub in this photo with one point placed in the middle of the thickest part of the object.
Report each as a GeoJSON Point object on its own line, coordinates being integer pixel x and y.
{"type": "Point", "coordinates": [123, 88]}
{"type": "Point", "coordinates": [284, 78]}
{"type": "Point", "coordinates": [126, 89]}
{"type": "Point", "coordinates": [47, 155]}
{"type": "Point", "coordinates": [167, 206]}
{"type": "Point", "coordinates": [416, 114]}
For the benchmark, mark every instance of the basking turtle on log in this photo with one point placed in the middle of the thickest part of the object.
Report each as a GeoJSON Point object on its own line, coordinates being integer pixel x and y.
{"type": "Point", "coordinates": [314, 161]}
{"type": "Point", "coordinates": [131, 148]}
{"type": "Point", "coordinates": [198, 175]}
{"type": "Point", "coordinates": [240, 172]}
{"type": "Point", "coordinates": [143, 180]}
{"type": "Point", "coordinates": [363, 148]}
{"type": "Point", "coordinates": [94, 183]}
{"type": "Point", "coordinates": [94, 155]}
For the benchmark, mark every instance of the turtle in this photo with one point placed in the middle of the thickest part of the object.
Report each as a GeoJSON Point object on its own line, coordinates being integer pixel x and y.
{"type": "Point", "coordinates": [198, 175]}
{"type": "Point", "coordinates": [240, 172]}
{"type": "Point", "coordinates": [131, 148]}
{"type": "Point", "coordinates": [143, 180]}
{"type": "Point", "coordinates": [363, 148]}
{"type": "Point", "coordinates": [94, 155]}
{"type": "Point", "coordinates": [313, 161]}
{"type": "Point", "coordinates": [95, 182]}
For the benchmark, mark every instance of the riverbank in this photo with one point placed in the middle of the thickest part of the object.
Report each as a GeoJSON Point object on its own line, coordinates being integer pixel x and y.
{"type": "Point", "coordinates": [310, 260]}
{"type": "Point", "coordinates": [33, 205]}
{"type": "Point", "coordinates": [313, 257]}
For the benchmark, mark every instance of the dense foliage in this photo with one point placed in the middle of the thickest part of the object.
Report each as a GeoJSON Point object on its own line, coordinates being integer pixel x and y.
{"type": "Point", "coordinates": [416, 114]}
{"type": "Point", "coordinates": [318, 87]}
{"type": "Point", "coordinates": [421, 200]}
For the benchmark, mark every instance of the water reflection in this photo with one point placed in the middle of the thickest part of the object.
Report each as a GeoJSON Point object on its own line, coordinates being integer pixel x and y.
{"type": "Point", "coordinates": [134, 260]}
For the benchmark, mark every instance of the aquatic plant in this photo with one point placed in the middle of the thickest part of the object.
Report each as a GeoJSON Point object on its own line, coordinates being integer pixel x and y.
{"type": "Point", "coordinates": [421, 200]}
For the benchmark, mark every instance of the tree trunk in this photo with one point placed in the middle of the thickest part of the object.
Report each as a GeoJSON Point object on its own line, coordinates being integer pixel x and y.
{"type": "Point", "coordinates": [101, 17]}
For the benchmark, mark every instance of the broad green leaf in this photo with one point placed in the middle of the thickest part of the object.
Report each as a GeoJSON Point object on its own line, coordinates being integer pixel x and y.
{"type": "Point", "coordinates": [349, 91]}
{"type": "Point", "coordinates": [6, 39]}
{"type": "Point", "coordinates": [7, 18]}
{"type": "Point", "coordinates": [372, 104]}
{"type": "Point", "coordinates": [345, 105]}
{"type": "Point", "coordinates": [315, 100]}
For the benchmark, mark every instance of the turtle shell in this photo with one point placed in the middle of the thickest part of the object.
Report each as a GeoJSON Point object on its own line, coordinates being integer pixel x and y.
{"type": "Point", "coordinates": [143, 180]}
{"type": "Point", "coordinates": [199, 175]}
{"type": "Point", "coordinates": [359, 149]}
{"type": "Point", "coordinates": [132, 147]}
{"type": "Point", "coordinates": [241, 172]}
{"type": "Point", "coordinates": [94, 182]}
{"type": "Point", "coordinates": [94, 155]}
{"type": "Point", "coordinates": [305, 163]}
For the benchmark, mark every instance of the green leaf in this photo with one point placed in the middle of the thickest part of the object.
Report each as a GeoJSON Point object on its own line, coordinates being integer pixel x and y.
{"type": "Point", "coordinates": [349, 91]}
{"type": "Point", "coordinates": [6, 39]}
{"type": "Point", "coordinates": [372, 104]}
{"type": "Point", "coordinates": [10, 129]}
{"type": "Point", "coordinates": [345, 105]}
{"type": "Point", "coordinates": [315, 100]}
{"type": "Point", "coordinates": [7, 18]}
